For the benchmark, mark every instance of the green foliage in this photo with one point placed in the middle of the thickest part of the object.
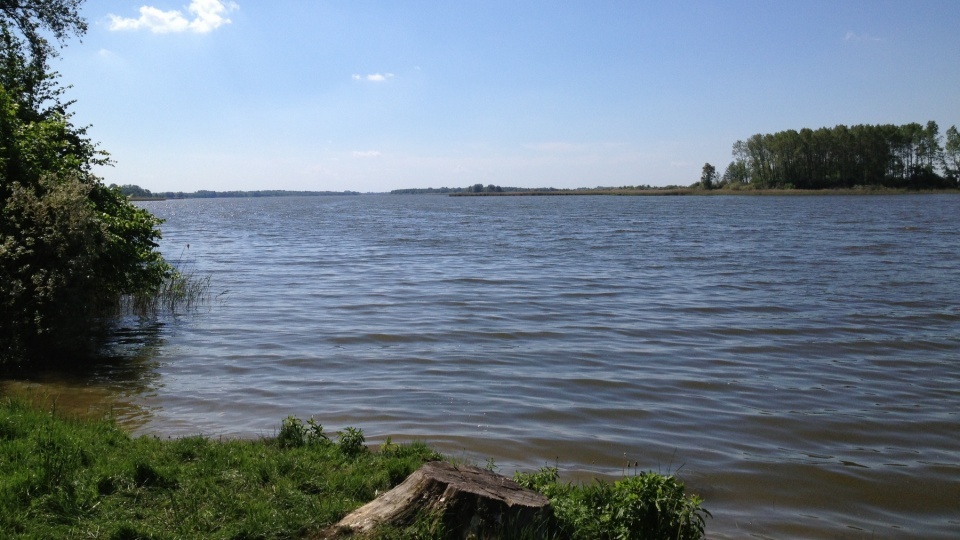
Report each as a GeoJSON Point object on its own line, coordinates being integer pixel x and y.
{"type": "Point", "coordinates": [351, 441]}
{"type": "Point", "coordinates": [70, 247]}
{"type": "Point", "coordinates": [31, 18]}
{"type": "Point", "coordinates": [735, 175]}
{"type": "Point", "coordinates": [180, 289]}
{"type": "Point", "coordinates": [951, 154]}
{"type": "Point", "coordinates": [136, 191]}
{"type": "Point", "coordinates": [49, 248]}
{"type": "Point", "coordinates": [644, 506]}
{"type": "Point", "coordinates": [908, 156]}
{"type": "Point", "coordinates": [294, 434]}
{"type": "Point", "coordinates": [131, 190]}
{"type": "Point", "coordinates": [63, 478]}
{"type": "Point", "coordinates": [478, 188]}
{"type": "Point", "coordinates": [424, 527]}
{"type": "Point", "coordinates": [470, 189]}
{"type": "Point", "coordinates": [708, 177]}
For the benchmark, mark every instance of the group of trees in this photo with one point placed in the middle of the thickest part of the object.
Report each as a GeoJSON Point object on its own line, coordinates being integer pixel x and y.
{"type": "Point", "coordinates": [137, 192]}
{"type": "Point", "coordinates": [910, 156]}
{"type": "Point", "coordinates": [70, 247]}
{"type": "Point", "coordinates": [476, 188]}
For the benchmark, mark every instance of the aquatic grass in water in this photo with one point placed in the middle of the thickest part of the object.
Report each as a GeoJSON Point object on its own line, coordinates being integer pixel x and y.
{"type": "Point", "coordinates": [182, 290]}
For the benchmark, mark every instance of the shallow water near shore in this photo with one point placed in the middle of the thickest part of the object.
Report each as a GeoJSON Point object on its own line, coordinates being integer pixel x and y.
{"type": "Point", "coordinates": [796, 360]}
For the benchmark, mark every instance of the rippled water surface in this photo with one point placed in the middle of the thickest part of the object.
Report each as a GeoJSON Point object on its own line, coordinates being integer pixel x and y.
{"type": "Point", "coordinates": [797, 359]}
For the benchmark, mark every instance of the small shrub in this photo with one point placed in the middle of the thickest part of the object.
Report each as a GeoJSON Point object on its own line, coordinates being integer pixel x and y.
{"type": "Point", "coordinates": [315, 433]}
{"type": "Point", "coordinates": [388, 447]}
{"type": "Point", "coordinates": [293, 434]}
{"type": "Point", "coordinates": [645, 506]}
{"type": "Point", "coordinates": [351, 441]}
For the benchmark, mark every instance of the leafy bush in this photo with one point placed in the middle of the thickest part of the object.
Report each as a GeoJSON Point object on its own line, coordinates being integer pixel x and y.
{"type": "Point", "coordinates": [645, 506]}
{"type": "Point", "coordinates": [49, 247]}
{"type": "Point", "coordinates": [294, 434]}
{"type": "Point", "coordinates": [65, 264]}
{"type": "Point", "coordinates": [351, 441]}
{"type": "Point", "coordinates": [70, 247]}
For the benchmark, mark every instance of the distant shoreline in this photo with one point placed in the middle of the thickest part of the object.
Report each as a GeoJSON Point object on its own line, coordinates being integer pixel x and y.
{"type": "Point", "coordinates": [647, 192]}
{"type": "Point", "coordinates": [711, 192]}
{"type": "Point", "coordinates": [136, 193]}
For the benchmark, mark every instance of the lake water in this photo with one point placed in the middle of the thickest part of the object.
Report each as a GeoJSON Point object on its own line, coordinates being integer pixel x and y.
{"type": "Point", "coordinates": [796, 360]}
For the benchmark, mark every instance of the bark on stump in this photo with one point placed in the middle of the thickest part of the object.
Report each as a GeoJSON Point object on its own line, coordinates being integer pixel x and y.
{"type": "Point", "coordinates": [468, 501]}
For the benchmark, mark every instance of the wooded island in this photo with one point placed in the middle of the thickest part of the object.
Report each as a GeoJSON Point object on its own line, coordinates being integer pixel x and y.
{"type": "Point", "coordinates": [910, 156]}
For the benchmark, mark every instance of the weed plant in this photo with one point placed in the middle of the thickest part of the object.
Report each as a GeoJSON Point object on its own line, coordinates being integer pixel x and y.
{"type": "Point", "coordinates": [645, 505]}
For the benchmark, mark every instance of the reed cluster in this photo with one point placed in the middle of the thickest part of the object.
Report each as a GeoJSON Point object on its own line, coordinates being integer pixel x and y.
{"type": "Point", "coordinates": [182, 290]}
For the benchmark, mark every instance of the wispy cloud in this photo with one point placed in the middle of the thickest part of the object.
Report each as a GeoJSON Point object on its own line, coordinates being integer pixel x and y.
{"type": "Point", "coordinates": [367, 153]}
{"type": "Point", "coordinates": [208, 15]}
{"type": "Point", "coordinates": [853, 36]}
{"type": "Point", "coordinates": [373, 77]}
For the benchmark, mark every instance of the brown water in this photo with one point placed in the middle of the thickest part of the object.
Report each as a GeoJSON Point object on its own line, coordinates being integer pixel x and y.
{"type": "Point", "coordinates": [795, 359]}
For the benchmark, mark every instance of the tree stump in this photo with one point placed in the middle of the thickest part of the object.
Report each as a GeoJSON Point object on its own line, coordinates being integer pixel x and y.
{"type": "Point", "coordinates": [467, 501]}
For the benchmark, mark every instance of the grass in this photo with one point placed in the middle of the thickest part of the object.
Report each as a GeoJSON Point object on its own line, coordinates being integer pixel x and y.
{"type": "Point", "coordinates": [63, 478]}
{"type": "Point", "coordinates": [182, 291]}
{"type": "Point", "coordinates": [72, 478]}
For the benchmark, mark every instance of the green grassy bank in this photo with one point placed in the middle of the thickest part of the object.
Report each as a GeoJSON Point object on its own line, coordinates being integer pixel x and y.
{"type": "Point", "coordinates": [71, 478]}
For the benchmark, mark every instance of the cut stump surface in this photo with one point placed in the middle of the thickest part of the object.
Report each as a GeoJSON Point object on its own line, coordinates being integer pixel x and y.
{"type": "Point", "coordinates": [468, 501]}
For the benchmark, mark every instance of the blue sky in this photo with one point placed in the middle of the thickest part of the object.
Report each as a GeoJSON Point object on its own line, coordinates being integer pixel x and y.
{"type": "Point", "coordinates": [375, 95]}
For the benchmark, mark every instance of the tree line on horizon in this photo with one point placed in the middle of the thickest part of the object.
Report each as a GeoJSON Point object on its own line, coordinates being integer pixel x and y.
{"type": "Point", "coordinates": [137, 192]}
{"type": "Point", "coordinates": [910, 156]}
{"type": "Point", "coordinates": [476, 188]}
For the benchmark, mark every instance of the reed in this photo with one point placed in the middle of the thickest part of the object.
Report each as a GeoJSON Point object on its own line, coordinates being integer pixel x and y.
{"type": "Point", "coordinates": [182, 290]}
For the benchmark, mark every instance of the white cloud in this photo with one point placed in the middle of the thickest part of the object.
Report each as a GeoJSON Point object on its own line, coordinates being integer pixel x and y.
{"type": "Point", "coordinates": [208, 16]}
{"type": "Point", "coordinates": [367, 154]}
{"type": "Point", "coordinates": [373, 77]}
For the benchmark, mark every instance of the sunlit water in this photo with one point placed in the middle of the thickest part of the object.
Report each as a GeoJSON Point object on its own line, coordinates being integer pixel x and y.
{"type": "Point", "coordinates": [795, 359]}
